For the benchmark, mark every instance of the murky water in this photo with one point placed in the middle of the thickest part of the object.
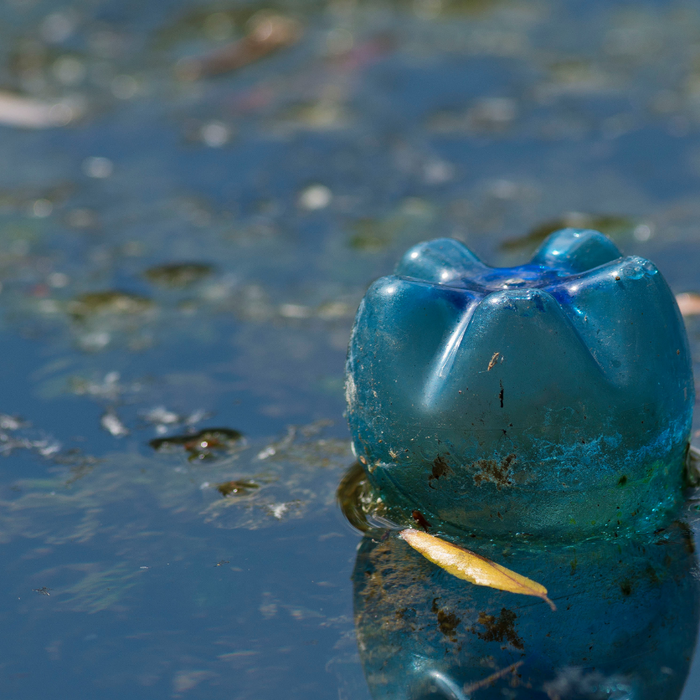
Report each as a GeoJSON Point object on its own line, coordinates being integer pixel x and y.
{"type": "Point", "coordinates": [193, 199]}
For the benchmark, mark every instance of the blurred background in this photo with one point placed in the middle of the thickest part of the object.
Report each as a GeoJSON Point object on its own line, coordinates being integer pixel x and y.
{"type": "Point", "coordinates": [194, 196]}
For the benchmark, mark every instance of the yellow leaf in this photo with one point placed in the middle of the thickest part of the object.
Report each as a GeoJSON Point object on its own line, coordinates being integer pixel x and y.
{"type": "Point", "coordinates": [472, 567]}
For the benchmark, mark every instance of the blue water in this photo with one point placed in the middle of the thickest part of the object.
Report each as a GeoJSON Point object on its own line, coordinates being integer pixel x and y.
{"type": "Point", "coordinates": [481, 120]}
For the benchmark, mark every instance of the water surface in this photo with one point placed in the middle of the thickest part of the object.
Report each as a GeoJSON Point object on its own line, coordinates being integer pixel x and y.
{"type": "Point", "coordinates": [278, 190]}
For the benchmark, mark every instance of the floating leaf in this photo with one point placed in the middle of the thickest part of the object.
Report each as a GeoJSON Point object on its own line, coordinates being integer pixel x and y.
{"type": "Point", "coordinates": [472, 567]}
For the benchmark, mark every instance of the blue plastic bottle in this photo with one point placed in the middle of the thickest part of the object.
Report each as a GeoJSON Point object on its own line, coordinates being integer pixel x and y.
{"type": "Point", "coordinates": [551, 399]}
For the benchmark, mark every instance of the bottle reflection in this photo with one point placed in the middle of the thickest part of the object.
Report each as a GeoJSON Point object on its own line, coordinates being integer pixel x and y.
{"type": "Point", "coordinates": [624, 629]}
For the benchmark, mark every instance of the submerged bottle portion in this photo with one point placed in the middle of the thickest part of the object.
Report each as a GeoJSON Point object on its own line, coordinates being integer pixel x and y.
{"type": "Point", "coordinates": [553, 399]}
{"type": "Point", "coordinates": [624, 629]}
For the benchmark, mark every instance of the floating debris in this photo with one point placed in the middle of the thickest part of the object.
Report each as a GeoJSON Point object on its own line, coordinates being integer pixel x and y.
{"type": "Point", "coordinates": [8, 422]}
{"type": "Point", "coordinates": [17, 110]}
{"type": "Point", "coordinates": [280, 445]}
{"type": "Point", "coordinates": [161, 416]}
{"type": "Point", "coordinates": [269, 32]}
{"type": "Point", "coordinates": [372, 236]}
{"type": "Point", "coordinates": [611, 225]}
{"type": "Point", "coordinates": [109, 302]}
{"type": "Point", "coordinates": [111, 422]}
{"type": "Point", "coordinates": [325, 114]}
{"type": "Point", "coordinates": [43, 590]}
{"type": "Point", "coordinates": [488, 115]}
{"type": "Point", "coordinates": [688, 303]}
{"type": "Point", "coordinates": [82, 219]}
{"type": "Point", "coordinates": [177, 275]}
{"type": "Point", "coordinates": [215, 134]}
{"type": "Point", "coordinates": [410, 218]}
{"type": "Point", "coordinates": [98, 588]}
{"type": "Point", "coordinates": [98, 167]}
{"type": "Point", "coordinates": [293, 431]}
{"type": "Point", "coordinates": [163, 419]}
{"type": "Point", "coordinates": [204, 445]}
{"type": "Point", "coordinates": [236, 488]}
{"type": "Point", "coordinates": [315, 197]}
{"type": "Point", "coordinates": [106, 388]}
{"type": "Point", "coordinates": [42, 445]}
{"type": "Point", "coordinates": [280, 511]}
{"type": "Point", "coordinates": [80, 465]}
{"type": "Point", "coordinates": [295, 311]}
